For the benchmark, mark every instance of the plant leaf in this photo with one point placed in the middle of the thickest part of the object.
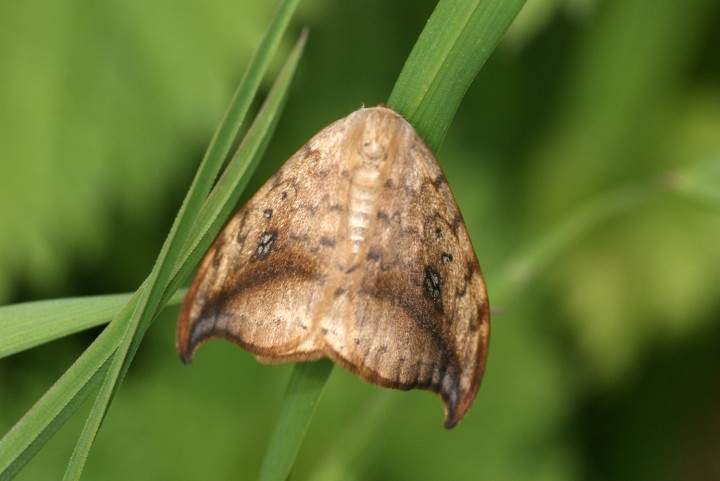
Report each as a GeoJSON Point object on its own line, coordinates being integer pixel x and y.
{"type": "Point", "coordinates": [240, 167]}
{"type": "Point", "coordinates": [57, 404]}
{"type": "Point", "coordinates": [447, 56]}
{"type": "Point", "coordinates": [301, 396]}
{"type": "Point", "coordinates": [26, 325]}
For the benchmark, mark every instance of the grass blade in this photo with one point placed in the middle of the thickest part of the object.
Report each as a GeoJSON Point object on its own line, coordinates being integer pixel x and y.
{"type": "Point", "coordinates": [56, 405]}
{"type": "Point", "coordinates": [231, 123]}
{"type": "Point", "coordinates": [219, 200]}
{"type": "Point", "coordinates": [225, 195]}
{"type": "Point", "coordinates": [447, 56]}
{"type": "Point", "coordinates": [26, 325]}
{"type": "Point", "coordinates": [30, 324]}
{"type": "Point", "coordinates": [303, 391]}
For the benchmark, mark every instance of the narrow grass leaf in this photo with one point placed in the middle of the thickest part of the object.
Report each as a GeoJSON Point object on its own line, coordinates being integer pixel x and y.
{"type": "Point", "coordinates": [30, 324]}
{"type": "Point", "coordinates": [303, 391]}
{"type": "Point", "coordinates": [349, 453]}
{"type": "Point", "coordinates": [225, 195]}
{"type": "Point", "coordinates": [56, 405]}
{"type": "Point", "coordinates": [257, 138]}
{"type": "Point", "coordinates": [231, 123]}
{"type": "Point", "coordinates": [699, 183]}
{"type": "Point", "coordinates": [447, 56]}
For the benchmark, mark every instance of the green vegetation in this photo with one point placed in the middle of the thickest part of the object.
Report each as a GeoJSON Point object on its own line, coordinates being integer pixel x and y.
{"type": "Point", "coordinates": [585, 159]}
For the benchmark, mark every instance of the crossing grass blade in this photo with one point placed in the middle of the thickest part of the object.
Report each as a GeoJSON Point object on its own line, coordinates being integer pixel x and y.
{"type": "Point", "coordinates": [30, 324]}
{"type": "Point", "coordinates": [53, 409]}
{"type": "Point", "coordinates": [221, 199]}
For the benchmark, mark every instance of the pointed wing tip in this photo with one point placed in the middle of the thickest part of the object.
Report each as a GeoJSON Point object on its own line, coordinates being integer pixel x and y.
{"type": "Point", "coordinates": [457, 402]}
{"type": "Point", "coordinates": [450, 422]}
{"type": "Point", "coordinates": [454, 413]}
{"type": "Point", "coordinates": [185, 348]}
{"type": "Point", "coordinates": [186, 357]}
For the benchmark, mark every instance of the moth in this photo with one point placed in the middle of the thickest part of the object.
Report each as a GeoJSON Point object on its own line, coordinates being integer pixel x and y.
{"type": "Point", "coordinates": [354, 250]}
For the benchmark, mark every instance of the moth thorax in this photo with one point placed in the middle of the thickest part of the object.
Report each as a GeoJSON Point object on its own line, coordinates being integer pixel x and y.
{"type": "Point", "coordinates": [373, 152]}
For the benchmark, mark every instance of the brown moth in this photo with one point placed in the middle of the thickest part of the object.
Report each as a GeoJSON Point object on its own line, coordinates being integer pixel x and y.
{"type": "Point", "coordinates": [355, 250]}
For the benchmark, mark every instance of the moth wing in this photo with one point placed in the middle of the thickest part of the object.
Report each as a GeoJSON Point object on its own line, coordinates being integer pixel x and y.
{"type": "Point", "coordinates": [420, 316]}
{"type": "Point", "coordinates": [355, 250]}
{"type": "Point", "coordinates": [265, 274]}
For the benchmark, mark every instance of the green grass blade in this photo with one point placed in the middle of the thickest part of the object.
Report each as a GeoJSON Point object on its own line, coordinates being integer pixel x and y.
{"type": "Point", "coordinates": [56, 406]}
{"type": "Point", "coordinates": [301, 397]}
{"type": "Point", "coordinates": [97, 414]}
{"type": "Point", "coordinates": [348, 455]}
{"type": "Point", "coordinates": [248, 154]}
{"type": "Point", "coordinates": [231, 184]}
{"type": "Point", "coordinates": [447, 56]}
{"type": "Point", "coordinates": [698, 182]}
{"type": "Point", "coordinates": [26, 325]}
{"type": "Point", "coordinates": [53, 409]}
{"type": "Point", "coordinates": [30, 324]}
{"type": "Point", "coordinates": [230, 125]}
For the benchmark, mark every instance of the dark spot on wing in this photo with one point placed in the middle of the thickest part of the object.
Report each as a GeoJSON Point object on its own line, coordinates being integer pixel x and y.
{"type": "Point", "coordinates": [265, 244]}
{"type": "Point", "coordinates": [446, 257]}
{"type": "Point", "coordinates": [373, 255]}
{"type": "Point", "coordinates": [327, 242]}
{"type": "Point", "coordinates": [267, 213]}
{"type": "Point", "coordinates": [432, 284]}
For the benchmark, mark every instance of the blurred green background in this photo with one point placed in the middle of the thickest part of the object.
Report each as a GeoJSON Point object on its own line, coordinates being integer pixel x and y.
{"type": "Point", "coordinates": [585, 160]}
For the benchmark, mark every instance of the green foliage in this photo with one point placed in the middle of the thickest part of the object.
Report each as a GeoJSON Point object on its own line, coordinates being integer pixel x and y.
{"type": "Point", "coordinates": [197, 223]}
{"type": "Point", "coordinates": [301, 397]}
{"type": "Point", "coordinates": [457, 40]}
{"type": "Point", "coordinates": [584, 160]}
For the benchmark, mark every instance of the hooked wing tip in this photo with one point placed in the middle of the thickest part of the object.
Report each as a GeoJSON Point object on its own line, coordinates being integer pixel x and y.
{"type": "Point", "coordinates": [186, 357]}
{"type": "Point", "coordinates": [184, 343]}
{"type": "Point", "coordinates": [456, 400]}
{"type": "Point", "coordinates": [450, 402]}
